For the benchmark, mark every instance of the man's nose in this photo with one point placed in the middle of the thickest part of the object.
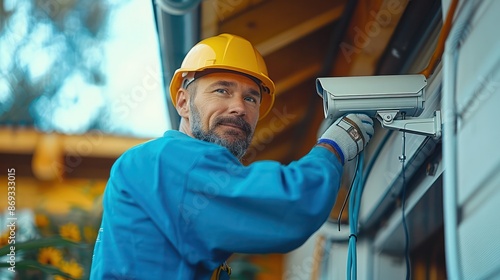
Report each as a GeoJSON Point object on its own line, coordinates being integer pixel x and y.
{"type": "Point", "coordinates": [237, 106]}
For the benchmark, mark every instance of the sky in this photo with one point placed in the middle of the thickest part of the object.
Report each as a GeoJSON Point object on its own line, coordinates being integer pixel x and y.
{"type": "Point", "coordinates": [135, 88]}
{"type": "Point", "coordinates": [133, 94]}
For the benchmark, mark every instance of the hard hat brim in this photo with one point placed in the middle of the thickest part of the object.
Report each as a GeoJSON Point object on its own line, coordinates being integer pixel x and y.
{"type": "Point", "coordinates": [267, 85]}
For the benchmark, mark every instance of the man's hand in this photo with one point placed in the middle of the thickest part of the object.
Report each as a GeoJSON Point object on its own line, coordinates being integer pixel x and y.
{"type": "Point", "coordinates": [348, 135]}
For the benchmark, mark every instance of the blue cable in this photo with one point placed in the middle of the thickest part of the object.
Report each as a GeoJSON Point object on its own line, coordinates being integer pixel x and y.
{"type": "Point", "coordinates": [354, 205]}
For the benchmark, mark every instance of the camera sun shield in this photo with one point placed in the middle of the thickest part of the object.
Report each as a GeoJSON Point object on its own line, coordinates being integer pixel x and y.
{"type": "Point", "coordinates": [370, 94]}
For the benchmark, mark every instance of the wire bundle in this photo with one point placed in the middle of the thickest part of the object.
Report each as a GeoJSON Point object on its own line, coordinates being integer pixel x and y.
{"type": "Point", "coordinates": [354, 205]}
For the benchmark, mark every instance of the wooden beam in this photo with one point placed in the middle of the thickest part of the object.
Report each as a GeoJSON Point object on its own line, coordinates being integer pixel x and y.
{"type": "Point", "coordinates": [92, 144]}
{"type": "Point", "coordinates": [368, 34]}
{"type": "Point", "coordinates": [296, 32]}
{"type": "Point", "coordinates": [214, 12]}
{"type": "Point", "coordinates": [297, 77]}
{"type": "Point", "coordinates": [274, 24]}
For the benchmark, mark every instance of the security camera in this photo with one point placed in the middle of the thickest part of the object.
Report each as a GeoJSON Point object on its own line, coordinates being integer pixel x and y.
{"type": "Point", "coordinates": [370, 94]}
{"type": "Point", "coordinates": [395, 100]}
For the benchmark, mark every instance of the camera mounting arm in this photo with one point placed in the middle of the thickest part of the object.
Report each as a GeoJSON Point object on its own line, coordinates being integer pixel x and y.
{"type": "Point", "coordinates": [421, 126]}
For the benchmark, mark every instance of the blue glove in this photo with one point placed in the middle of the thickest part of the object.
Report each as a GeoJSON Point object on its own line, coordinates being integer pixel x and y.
{"type": "Point", "coordinates": [349, 135]}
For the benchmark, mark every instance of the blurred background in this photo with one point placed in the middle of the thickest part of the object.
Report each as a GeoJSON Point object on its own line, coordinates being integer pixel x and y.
{"type": "Point", "coordinates": [80, 82]}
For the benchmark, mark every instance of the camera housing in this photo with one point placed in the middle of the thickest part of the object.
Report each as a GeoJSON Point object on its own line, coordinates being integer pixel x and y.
{"type": "Point", "coordinates": [371, 94]}
{"type": "Point", "coordinates": [395, 100]}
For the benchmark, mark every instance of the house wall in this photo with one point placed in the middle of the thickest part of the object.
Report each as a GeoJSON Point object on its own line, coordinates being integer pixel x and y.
{"type": "Point", "coordinates": [475, 79]}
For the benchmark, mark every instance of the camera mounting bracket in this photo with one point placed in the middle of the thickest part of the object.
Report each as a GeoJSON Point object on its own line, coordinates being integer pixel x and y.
{"type": "Point", "coordinates": [422, 126]}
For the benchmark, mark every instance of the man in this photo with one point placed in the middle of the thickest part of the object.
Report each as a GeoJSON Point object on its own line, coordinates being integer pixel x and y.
{"type": "Point", "coordinates": [177, 207]}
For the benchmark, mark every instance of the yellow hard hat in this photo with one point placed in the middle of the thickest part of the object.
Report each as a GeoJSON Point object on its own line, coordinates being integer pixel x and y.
{"type": "Point", "coordinates": [227, 52]}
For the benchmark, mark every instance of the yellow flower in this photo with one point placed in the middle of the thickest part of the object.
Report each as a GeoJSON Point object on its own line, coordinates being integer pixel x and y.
{"type": "Point", "coordinates": [4, 238]}
{"type": "Point", "coordinates": [70, 231]}
{"type": "Point", "coordinates": [50, 256]}
{"type": "Point", "coordinates": [72, 268]}
{"type": "Point", "coordinates": [41, 220]}
{"type": "Point", "coordinates": [96, 190]}
{"type": "Point", "coordinates": [90, 234]}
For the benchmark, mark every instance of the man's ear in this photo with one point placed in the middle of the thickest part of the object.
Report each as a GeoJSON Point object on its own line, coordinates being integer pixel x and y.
{"type": "Point", "coordinates": [182, 105]}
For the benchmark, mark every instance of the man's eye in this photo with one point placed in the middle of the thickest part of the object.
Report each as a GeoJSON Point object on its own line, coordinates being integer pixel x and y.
{"type": "Point", "coordinates": [221, 90]}
{"type": "Point", "coordinates": [251, 99]}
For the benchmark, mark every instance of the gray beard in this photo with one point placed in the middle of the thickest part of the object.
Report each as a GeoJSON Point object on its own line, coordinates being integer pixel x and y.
{"type": "Point", "coordinates": [237, 147]}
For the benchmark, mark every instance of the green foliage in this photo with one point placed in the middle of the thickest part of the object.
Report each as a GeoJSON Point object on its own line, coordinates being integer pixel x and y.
{"type": "Point", "coordinates": [55, 246]}
{"type": "Point", "coordinates": [242, 268]}
{"type": "Point", "coordinates": [47, 269]}
{"type": "Point", "coordinates": [44, 43]}
{"type": "Point", "coordinates": [35, 245]}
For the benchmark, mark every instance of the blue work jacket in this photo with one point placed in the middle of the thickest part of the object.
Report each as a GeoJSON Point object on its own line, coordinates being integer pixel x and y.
{"type": "Point", "coordinates": [177, 207]}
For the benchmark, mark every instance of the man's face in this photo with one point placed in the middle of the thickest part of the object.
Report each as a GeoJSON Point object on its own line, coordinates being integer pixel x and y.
{"type": "Point", "coordinates": [224, 109]}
